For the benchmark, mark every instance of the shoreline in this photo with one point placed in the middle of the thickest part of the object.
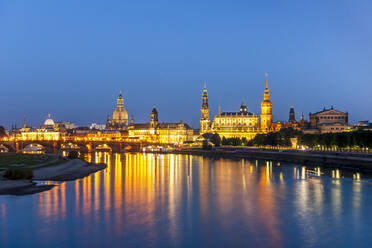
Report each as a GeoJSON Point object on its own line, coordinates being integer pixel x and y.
{"type": "Point", "coordinates": [68, 171]}
{"type": "Point", "coordinates": [347, 161]}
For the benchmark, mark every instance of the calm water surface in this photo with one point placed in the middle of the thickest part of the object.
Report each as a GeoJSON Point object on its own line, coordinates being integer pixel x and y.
{"type": "Point", "coordinates": [146, 200]}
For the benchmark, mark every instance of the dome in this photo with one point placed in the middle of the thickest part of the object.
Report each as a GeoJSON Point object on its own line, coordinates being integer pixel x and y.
{"type": "Point", "coordinates": [120, 115]}
{"type": "Point", "coordinates": [49, 121]}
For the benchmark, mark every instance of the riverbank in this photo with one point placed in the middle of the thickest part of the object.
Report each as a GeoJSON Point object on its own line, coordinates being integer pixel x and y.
{"type": "Point", "coordinates": [348, 161]}
{"type": "Point", "coordinates": [64, 171]}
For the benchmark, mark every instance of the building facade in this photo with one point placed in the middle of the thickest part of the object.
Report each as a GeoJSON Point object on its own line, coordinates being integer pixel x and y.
{"type": "Point", "coordinates": [48, 131]}
{"type": "Point", "coordinates": [329, 121]}
{"type": "Point", "coordinates": [163, 133]}
{"type": "Point", "coordinates": [236, 124]}
{"type": "Point", "coordinates": [241, 124]}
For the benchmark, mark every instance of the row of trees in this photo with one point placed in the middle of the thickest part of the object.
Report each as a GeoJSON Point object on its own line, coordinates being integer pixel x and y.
{"type": "Point", "coordinates": [281, 138]}
{"type": "Point", "coordinates": [360, 138]}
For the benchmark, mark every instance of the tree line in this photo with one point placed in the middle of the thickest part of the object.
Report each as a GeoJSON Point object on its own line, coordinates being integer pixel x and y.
{"type": "Point", "coordinates": [352, 139]}
{"type": "Point", "coordinates": [359, 138]}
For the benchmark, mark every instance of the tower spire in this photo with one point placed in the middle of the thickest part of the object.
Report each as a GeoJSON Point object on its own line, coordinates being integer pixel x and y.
{"type": "Point", "coordinates": [266, 75]}
{"type": "Point", "coordinates": [204, 120]}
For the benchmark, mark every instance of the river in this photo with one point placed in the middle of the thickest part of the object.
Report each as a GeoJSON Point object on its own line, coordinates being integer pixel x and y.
{"type": "Point", "coordinates": [148, 200]}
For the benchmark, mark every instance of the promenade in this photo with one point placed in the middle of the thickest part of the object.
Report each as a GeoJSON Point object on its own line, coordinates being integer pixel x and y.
{"type": "Point", "coordinates": [345, 160]}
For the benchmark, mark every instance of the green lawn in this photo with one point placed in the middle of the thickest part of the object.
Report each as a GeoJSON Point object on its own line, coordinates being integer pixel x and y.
{"type": "Point", "coordinates": [28, 160]}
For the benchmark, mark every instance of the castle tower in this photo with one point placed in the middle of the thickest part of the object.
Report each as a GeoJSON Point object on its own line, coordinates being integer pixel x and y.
{"type": "Point", "coordinates": [266, 109]}
{"type": "Point", "coordinates": [292, 117]}
{"type": "Point", "coordinates": [154, 118]}
{"type": "Point", "coordinates": [204, 120]}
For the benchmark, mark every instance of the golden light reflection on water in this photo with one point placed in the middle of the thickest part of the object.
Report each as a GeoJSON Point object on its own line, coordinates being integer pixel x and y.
{"type": "Point", "coordinates": [52, 204]}
{"type": "Point", "coordinates": [136, 187]}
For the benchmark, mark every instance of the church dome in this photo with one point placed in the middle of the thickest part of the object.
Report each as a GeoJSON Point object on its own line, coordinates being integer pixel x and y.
{"type": "Point", "coordinates": [120, 114]}
{"type": "Point", "coordinates": [49, 121]}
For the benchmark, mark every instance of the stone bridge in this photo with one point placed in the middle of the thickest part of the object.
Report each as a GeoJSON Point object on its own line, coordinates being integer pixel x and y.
{"type": "Point", "coordinates": [82, 146]}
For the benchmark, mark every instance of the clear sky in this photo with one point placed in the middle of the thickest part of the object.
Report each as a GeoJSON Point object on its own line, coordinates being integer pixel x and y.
{"type": "Point", "coordinates": [71, 58]}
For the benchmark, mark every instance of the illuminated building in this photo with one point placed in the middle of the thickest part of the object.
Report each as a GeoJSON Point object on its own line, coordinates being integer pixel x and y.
{"type": "Point", "coordinates": [242, 124]}
{"type": "Point", "coordinates": [204, 120]}
{"type": "Point", "coordinates": [236, 124]}
{"type": "Point", "coordinates": [155, 132]}
{"type": "Point", "coordinates": [65, 124]}
{"type": "Point", "coordinates": [47, 131]}
{"type": "Point", "coordinates": [266, 110]}
{"type": "Point", "coordinates": [97, 126]}
{"type": "Point", "coordinates": [119, 117]}
{"type": "Point", "coordinates": [328, 121]}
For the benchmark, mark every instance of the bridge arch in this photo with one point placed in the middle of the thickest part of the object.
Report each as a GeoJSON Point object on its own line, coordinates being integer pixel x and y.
{"type": "Point", "coordinates": [103, 147]}
{"type": "Point", "coordinates": [34, 148]}
{"type": "Point", "coordinates": [70, 146]}
{"type": "Point", "coordinates": [3, 148]}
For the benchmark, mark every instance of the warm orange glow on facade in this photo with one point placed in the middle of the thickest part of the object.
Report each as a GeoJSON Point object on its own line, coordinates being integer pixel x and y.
{"type": "Point", "coordinates": [242, 124]}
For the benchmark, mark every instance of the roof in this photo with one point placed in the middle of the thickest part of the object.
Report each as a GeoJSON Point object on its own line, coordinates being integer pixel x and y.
{"type": "Point", "coordinates": [142, 126]}
{"type": "Point", "coordinates": [169, 125]}
{"type": "Point", "coordinates": [160, 126]}
{"type": "Point", "coordinates": [237, 113]}
{"type": "Point", "coordinates": [326, 110]}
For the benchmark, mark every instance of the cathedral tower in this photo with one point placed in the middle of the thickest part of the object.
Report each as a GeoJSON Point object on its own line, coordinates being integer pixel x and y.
{"type": "Point", "coordinates": [266, 109]}
{"type": "Point", "coordinates": [154, 118]}
{"type": "Point", "coordinates": [292, 117]}
{"type": "Point", "coordinates": [204, 120]}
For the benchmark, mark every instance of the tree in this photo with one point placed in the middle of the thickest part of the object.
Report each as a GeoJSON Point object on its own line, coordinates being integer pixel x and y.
{"type": "Point", "coordinates": [73, 154]}
{"type": "Point", "coordinates": [206, 146]}
{"type": "Point", "coordinates": [216, 139]}
{"type": "Point", "coordinates": [2, 132]}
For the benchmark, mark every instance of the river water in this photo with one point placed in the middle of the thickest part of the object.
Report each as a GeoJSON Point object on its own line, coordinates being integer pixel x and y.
{"type": "Point", "coordinates": [147, 200]}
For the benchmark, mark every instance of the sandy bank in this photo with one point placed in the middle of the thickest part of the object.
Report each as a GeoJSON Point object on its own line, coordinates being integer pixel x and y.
{"type": "Point", "coordinates": [21, 187]}
{"type": "Point", "coordinates": [71, 170]}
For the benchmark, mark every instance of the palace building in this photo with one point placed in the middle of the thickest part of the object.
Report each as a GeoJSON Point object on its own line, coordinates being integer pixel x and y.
{"type": "Point", "coordinates": [164, 133]}
{"type": "Point", "coordinates": [119, 119]}
{"type": "Point", "coordinates": [241, 124]}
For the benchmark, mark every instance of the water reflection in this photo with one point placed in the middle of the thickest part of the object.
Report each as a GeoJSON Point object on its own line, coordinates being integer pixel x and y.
{"type": "Point", "coordinates": [176, 200]}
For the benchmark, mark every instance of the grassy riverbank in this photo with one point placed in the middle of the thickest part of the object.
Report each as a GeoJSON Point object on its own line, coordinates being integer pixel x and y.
{"type": "Point", "coordinates": [24, 168]}
{"type": "Point", "coordinates": [28, 161]}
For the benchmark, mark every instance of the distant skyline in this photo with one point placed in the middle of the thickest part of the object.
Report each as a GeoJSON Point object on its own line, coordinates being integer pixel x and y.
{"type": "Point", "coordinates": [71, 59]}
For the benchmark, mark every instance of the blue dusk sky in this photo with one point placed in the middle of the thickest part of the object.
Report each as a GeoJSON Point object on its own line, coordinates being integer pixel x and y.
{"type": "Point", "coordinates": [71, 58]}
